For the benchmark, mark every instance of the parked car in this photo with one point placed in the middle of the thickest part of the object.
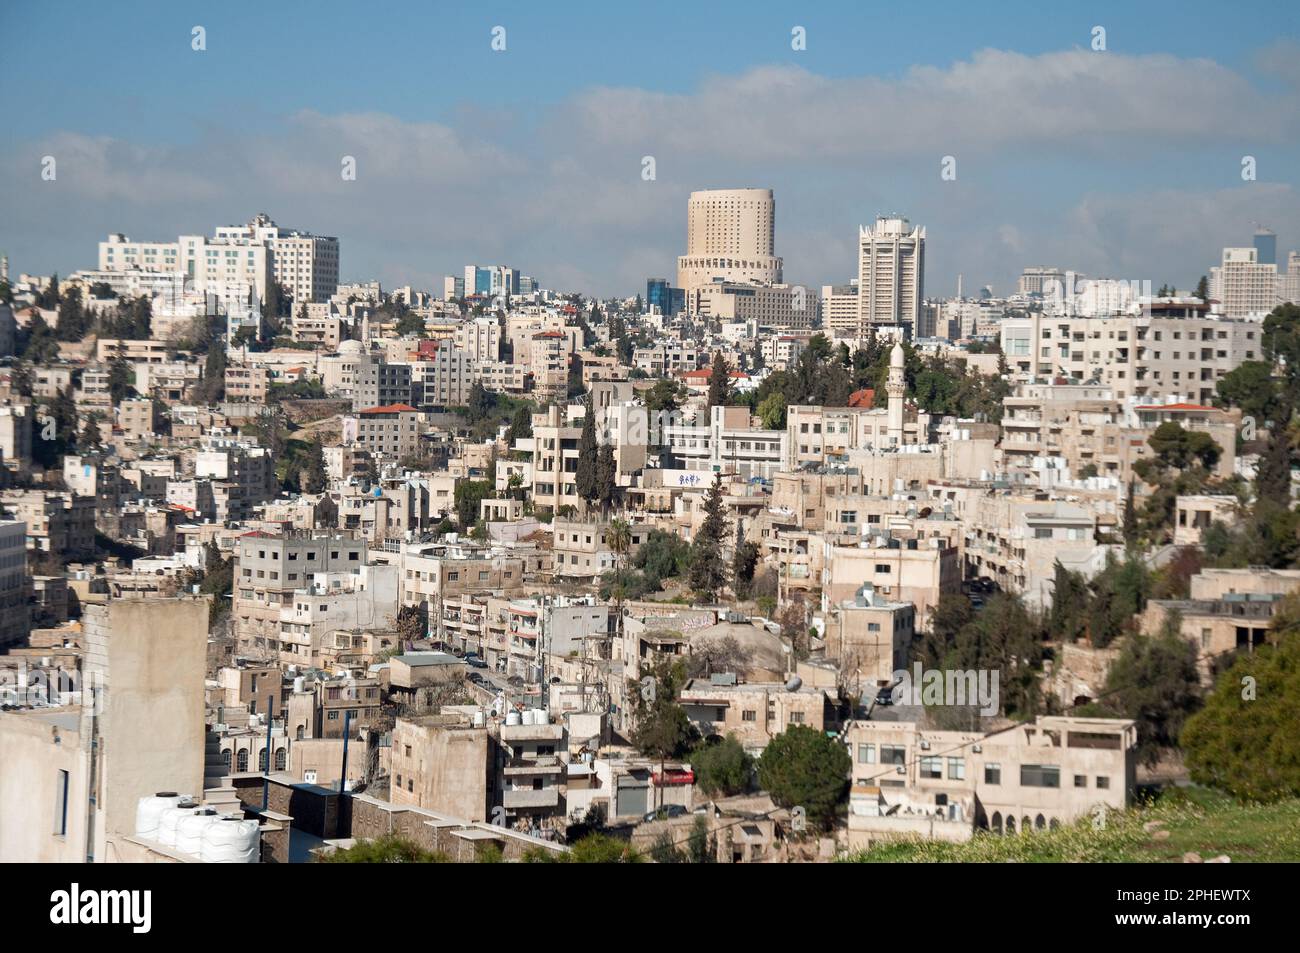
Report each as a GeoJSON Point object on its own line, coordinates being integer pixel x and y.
{"type": "Point", "coordinates": [885, 696]}
{"type": "Point", "coordinates": [473, 661]}
{"type": "Point", "coordinates": [665, 812]}
{"type": "Point", "coordinates": [515, 680]}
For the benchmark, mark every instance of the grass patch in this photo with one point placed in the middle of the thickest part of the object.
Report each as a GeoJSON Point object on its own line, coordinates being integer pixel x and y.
{"type": "Point", "coordinates": [1197, 819]}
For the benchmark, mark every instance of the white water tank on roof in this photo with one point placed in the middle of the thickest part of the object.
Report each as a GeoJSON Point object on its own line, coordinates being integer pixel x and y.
{"type": "Point", "coordinates": [231, 840]}
{"type": "Point", "coordinates": [149, 811]}
{"type": "Point", "coordinates": [541, 717]}
{"type": "Point", "coordinates": [528, 716]}
{"type": "Point", "coordinates": [512, 718]}
{"type": "Point", "coordinates": [189, 831]}
{"type": "Point", "coordinates": [168, 823]}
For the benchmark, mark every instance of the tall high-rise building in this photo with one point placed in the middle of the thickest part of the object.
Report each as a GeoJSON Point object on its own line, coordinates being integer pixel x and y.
{"type": "Point", "coordinates": [1242, 284]}
{"type": "Point", "coordinates": [730, 236]}
{"type": "Point", "coordinates": [1266, 246]}
{"type": "Point", "coordinates": [1039, 281]}
{"type": "Point", "coordinates": [891, 273]}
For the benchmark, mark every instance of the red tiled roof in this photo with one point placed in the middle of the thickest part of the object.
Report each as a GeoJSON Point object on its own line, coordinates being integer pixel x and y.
{"type": "Point", "coordinates": [863, 398]}
{"type": "Point", "coordinates": [390, 409]}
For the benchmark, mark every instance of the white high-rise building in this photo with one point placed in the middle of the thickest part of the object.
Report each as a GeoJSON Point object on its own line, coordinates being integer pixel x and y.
{"type": "Point", "coordinates": [1242, 285]}
{"type": "Point", "coordinates": [891, 273]}
{"type": "Point", "coordinates": [730, 235]}
{"type": "Point", "coordinates": [237, 261]}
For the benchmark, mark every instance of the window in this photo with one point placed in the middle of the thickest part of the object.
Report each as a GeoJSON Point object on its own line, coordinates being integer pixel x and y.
{"type": "Point", "coordinates": [992, 773]}
{"type": "Point", "coordinates": [796, 718]}
{"type": "Point", "coordinates": [1040, 776]}
{"type": "Point", "coordinates": [956, 769]}
{"type": "Point", "coordinates": [61, 803]}
{"type": "Point", "coordinates": [749, 714]}
{"type": "Point", "coordinates": [1103, 782]}
{"type": "Point", "coordinates": [932, 767]}
{"type": "Point", "coordinates": [1080, 780]}
{"type": "Point", "coordinates": [866, 754]}
{"type": "Point", "coordinates": [893, 754]}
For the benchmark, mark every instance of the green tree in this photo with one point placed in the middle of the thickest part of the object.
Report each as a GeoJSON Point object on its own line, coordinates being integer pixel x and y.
{"type": "Point", "coordinates": [743, 562]}
{"type": "Point", "coordinates": [701, 847]}
{"type": "Point", "coordinates": [1068, 618]}
{"type": "Point", "coordinates": [1273, 474]}
{"type": "Point", "coordinates": [723, 768]}
{"type": "Point", "coordinates": [1154, 681]}
{"type": "Point", "coordinates": [662, 729]}
{"type": "Point", "coordinates": [586, 478]}
{"type": "Point", "coordinates": [313, 478]}
{"type": "Point", "coordinates": [121, 378]}
{"type": "Point", "coordinates": [719, 381]}
{"type": "Point", "coordinates": [772, 410]}
{"type": "Point", "coordinates": [1251, 387]}
{"type": "Point", "coordinates": [666, 395]}
{"type": "Point", "coordinates": [388, 849]}
{"type": "Point", "coordinates": [606, 474]}
{"type": "Point", "coordinates": [468, 496]}
{"type": "Point", "coordinates": [803, 768]}
{"type": "Point", "coordinates": [708, 573]}
{"type": "Point", "coordinates": [599, 848]}
{"type": "Point", "coordinates": [1244, 741]}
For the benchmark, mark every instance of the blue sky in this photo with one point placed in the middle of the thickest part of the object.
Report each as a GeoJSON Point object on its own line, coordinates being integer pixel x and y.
{"type": "Point", "coordinates": [1123, 162]}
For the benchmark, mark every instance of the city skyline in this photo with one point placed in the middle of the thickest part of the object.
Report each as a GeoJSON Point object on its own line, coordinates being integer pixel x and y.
{"type": "Point", "coordinates": [1125, 162]}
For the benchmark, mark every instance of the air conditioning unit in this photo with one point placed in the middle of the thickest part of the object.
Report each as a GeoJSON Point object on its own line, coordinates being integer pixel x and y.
{"type": "Point", "coordinates": [976, 748]}
{"type": "Point", "coordinates": [925, 746]}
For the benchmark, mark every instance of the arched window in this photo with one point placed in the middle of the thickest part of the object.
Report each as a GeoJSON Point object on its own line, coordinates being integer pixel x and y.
{"type": "Point", "coordinates": [261, 760]}
{"type": "Point", "coordinates": [1053, 824]}
{"type": "Point", "coordinates": [281, 759]}
{"type": "Point", "coordinates": [1040, 822]}
{"type": "Point", "coordinates": [997, 822]}
{"type": "Point", "coordinates": [242, 760]}
{"type": "Point", "coordinates": [1011, 824]}
{"type": "Point", "coordinates": [225, 759]}
{"type": "Point", "coordinates": [302, 732]}
{"type": "Point", "coordinates": [1026, 825]}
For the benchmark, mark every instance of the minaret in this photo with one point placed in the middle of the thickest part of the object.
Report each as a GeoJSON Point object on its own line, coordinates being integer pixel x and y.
{"type": "Point", "coordinates": [896, 387]}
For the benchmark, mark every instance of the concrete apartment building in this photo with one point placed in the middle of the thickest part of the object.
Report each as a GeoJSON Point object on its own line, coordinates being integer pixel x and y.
{"type": "Point", "coordinates": [446, 378]}
{"type": "Point", "coordinates": [754, 712]}
{"type": "Point", "coordinates": [730, 234]}
{"type": "Point", "coordinates": [768, 306]}
{"type": "Point", "coordinates": [480, 339]}
{"type": "Point", "coordinates": [909, 781]}
{"type": "Point", "coordinates": [554, 449]}
{"type": "Point", "coordinates": [247, 383]}
{"type": "Point", "coordinates": [870, 638]}
{"type": "Point", "coordinates": [891, 274]}
{"type": "Point", "coordinates": [1227, 611]}
{"type": "Point", "coordinates": [16, 436]}
{"type": "Point", "coordinates": [269, 570]}
{"type": "Point", "coordinates": [391, 431]}
{"type": "Point", "coordinates": [1177, 350]}
{"type": "Point", "coordinates": [910, 570]}
{"type": "Point", "coordinates": [1016, 542]}
{"type": "Point", "coordinates": [59, 523]}
{"type": "Point", "coordinates": [362, 599]}
{"type": "Point", "coordinates": [381, 385]}
{"type": "Point", "coordinates": [432, 574]}
{"type": "Point", "coordinates": [726, 443]}
{"type": "Point", "coordinates": [443, 763]}
{"type": "Point", "coordinates": [582, 549]}
{"type": "Point", "coordinates": [138, 418]}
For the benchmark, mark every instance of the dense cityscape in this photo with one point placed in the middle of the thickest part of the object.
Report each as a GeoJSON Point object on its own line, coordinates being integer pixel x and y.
{"type": "Point", "coordinates": [299, 565]}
